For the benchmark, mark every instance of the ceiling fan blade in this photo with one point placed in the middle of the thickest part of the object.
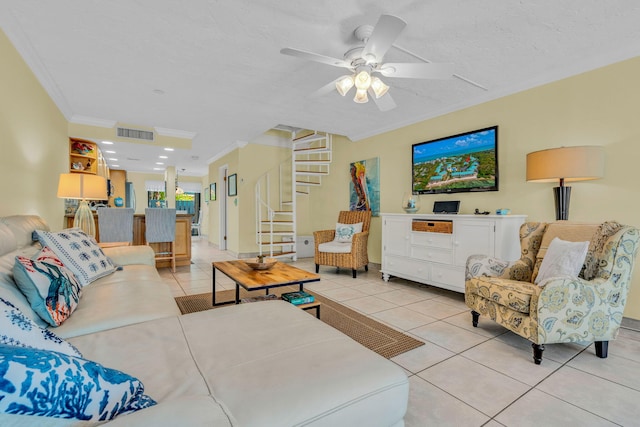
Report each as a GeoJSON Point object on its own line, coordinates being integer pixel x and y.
{"type": "Point", "coordinates": [384, 103]}
{"type": "Point", "coordinates": [384, 34]}
{"type": "Point", "coordinates": [417, 70]}
{"type": "Point", "coordinates": [326, 89]}
{"type": "Point", "coordinates": [315, 57]}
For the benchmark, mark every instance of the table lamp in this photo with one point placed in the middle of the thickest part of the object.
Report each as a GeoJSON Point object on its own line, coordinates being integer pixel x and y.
{"type": "Point", "coordinates": [566, 164]}
{"type": "Point", "coordinates": [83, 187]}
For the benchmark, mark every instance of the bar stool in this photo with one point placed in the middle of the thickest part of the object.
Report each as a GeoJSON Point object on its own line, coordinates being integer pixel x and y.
{"type": "Point", "coordinates": [160, 224]}
{"type": "Point", "coordinates": [115, 225]}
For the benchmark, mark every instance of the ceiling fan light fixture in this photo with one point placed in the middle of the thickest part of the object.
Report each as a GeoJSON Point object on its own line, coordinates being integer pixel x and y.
{"type": "Point", "coordinates": [361, 96]}
{"type": "Point", "coordinates": [363, 81]}
{"type": "Point", "coordinates": [344, 84]}
{"type": "Point", "coordinates": [378, 86]}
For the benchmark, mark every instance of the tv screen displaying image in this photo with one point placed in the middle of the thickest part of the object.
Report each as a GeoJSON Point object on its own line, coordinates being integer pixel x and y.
{"type": "Point", "coordinates": [458, 163]}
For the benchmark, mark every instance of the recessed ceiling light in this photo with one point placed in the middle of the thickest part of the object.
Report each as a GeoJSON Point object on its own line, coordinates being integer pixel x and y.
{"type": "Point", "coordinates": [164, 157]}
{"type": "Point", "coordinates": [110, 151]}
{"type": "Point", "coordinates": [107, 142]}
{"type": "Point", "coordinates": [168, 149]}
{"type": "Point", "coordinates": [113, 160]}
{"type": "Point", "coordinates": [157, 169]}
{"type": "Point", "coordinates": [115, 166]}
{"type": "Point", "coordinates": [159, 163]}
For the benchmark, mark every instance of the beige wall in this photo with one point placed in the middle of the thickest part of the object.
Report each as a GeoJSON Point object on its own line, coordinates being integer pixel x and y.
{"type": "Point", "coordinates": [33, 137]}
{"type": "Point", "coordinates": [595, 108]}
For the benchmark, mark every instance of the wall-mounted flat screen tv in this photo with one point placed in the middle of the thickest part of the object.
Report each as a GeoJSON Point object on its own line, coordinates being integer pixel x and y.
{"type": "Point", "coordinates": [458, 163]}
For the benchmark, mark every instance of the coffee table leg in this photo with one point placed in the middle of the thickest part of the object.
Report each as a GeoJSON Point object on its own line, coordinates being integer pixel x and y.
{"type": "Point", "coordinates": [237, 294]}
{"type": "Point", "coordinates": [213, 286]}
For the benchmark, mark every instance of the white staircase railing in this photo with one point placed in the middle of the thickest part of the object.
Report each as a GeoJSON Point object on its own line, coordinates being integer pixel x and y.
{"type": "Point", "coordinates": [276, 222]}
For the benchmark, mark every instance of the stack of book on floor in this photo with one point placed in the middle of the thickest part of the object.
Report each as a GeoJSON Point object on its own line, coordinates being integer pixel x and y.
{"type": "Point", "coordinates": [297, 298]}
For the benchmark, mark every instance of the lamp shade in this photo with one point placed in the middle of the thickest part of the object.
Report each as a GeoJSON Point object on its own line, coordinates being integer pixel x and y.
{"type": "Point", "coordinates": [82, 186]}
{"type": "Point", "coordinates": [581, 163]}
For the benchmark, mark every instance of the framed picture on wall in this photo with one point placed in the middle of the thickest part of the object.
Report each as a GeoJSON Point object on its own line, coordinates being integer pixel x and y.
{"type": "Point", "coordinates": [212, 190]}
{"type": "Point", "coordinates": [206, 194]}
{"type": "Point", "coordinates": [233, 185]}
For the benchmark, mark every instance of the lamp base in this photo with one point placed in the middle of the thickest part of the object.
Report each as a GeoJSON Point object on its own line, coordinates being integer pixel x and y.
{"type": "Point", "coordinates": [562, 197]}
{"type": "Point", "coordinates": [84, 219]}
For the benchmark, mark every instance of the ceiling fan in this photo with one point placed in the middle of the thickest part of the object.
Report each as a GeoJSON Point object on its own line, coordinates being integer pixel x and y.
{"type": "Point", "coordinates": [365, 61]}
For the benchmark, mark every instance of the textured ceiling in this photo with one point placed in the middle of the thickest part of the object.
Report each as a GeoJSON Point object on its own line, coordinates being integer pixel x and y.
{"type": "Point", "coordinates": [224, 79]}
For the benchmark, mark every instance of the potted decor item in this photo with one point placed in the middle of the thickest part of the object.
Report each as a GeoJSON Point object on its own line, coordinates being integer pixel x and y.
{"type": "Point", "coordinates": [261, 262]}
{"type": "Point", "coordinates": [410, 202]}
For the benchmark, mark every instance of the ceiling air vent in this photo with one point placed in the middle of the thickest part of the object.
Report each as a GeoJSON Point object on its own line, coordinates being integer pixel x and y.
{"type": "Point", "coordinates": [135, 134]}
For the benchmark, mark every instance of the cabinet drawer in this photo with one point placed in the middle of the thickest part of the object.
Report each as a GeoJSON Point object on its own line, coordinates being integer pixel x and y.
{"type": "Point", "coordinates": [450, 276]}
{"type": "Point", "coordinates": [436, 240]}
{"type": "Point", "coordinates": [405, 267]}
{"type": "Point", "coordinates": [432, 254]}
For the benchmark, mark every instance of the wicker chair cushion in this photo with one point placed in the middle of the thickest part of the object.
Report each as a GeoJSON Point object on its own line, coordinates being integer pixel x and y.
{"type": "Point", "coordinates": [335, 247]}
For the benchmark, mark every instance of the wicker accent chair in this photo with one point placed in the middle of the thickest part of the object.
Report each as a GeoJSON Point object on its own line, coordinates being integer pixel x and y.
{"type": "Point", "coordinates": [357, 256]}
{"type": "Point", "coordinates": [560, 309]}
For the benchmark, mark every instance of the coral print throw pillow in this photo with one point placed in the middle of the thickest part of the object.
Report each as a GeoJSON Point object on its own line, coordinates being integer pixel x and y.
{"type": "Point", "coordinates": [79, 253]}
{"type": "Point", "coordinates": [52, 290]}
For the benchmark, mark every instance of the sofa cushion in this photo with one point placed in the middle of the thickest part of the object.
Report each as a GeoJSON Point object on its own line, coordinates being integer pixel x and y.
{"type": "Point", "coordinates": [52, 290]}
{"type": "Point", "coordinates": [329, 378]}
{"type": "Point", "coordinates": [134, 294]}
{"type": "Point", "coordinates": [563, 259]}
{"type": "Point", "coordinates": [79, 253]}
{"type": "Point", "coordinates": [22, 227]}
{"type": "Point", "coordinates": [52, 384]}
{"type": "Point", "coordinates": [18, 330]}
{"type": "Point", "coordinates": [509, 293]}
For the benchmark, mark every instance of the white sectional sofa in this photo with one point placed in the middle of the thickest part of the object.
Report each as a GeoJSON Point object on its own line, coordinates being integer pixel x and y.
{"type": "Point", "coordinates": [262, 364]}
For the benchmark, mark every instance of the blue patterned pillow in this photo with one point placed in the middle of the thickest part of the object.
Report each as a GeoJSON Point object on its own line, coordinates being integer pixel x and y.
{"type": "Point", "coordinates": [79, 253]}
{"type": "Point", "coordinates": [51, 384]}
{"type": "Point", "coordinates": [19, 330]}
{"type": "Point", "coordinates": [345, 232]}
{"type": "Point", "coordinates": [52, 290]}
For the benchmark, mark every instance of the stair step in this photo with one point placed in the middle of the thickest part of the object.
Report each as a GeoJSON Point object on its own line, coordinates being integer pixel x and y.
{"type": "Point", "coordinates": [308, 138]}
{"type": "Point", "coordinates": [277, 222]}
{"type": "Point", "coordinates": [283, 254]}
{"type": "Point", "coordinates": [277, 243]}
{"type": "Point", "coordinates": [288, 202]}
{"type": "Point", "coordinates": [283, 212]}
{"type": "Point", "coordinates": [278, 233]}
{"type": "Point", "coordinates": [312, 173]}
{"type": "Point", "coordinates": [302, 193]}
{"type": "Point", "coordinates": [308, 183]}
{"type": "Point", "coordinates": [313, 162]}
{"type": "Point", "coordinates": [311, 150]}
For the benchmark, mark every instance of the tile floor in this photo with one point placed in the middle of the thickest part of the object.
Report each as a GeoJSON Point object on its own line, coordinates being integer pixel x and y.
{"type": "Point", "coordinates": [467, 376]}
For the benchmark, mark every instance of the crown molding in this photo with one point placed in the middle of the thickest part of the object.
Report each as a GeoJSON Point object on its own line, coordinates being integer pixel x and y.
{"type": "Point", "coordinates": [175, 133]}
{"type": "Point", "coordinates": [228, 149]}
{"type": "Point", "coordinates": [92, 121]}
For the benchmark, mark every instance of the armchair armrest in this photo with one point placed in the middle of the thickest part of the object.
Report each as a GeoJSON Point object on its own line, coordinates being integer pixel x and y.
{"type": "Point", "coordinates": [483, 265]}
{"type": "Point", "coordinates": [359, 242]}
{"type": "Point", "coordinates": [323, 236]}
{"type": "Point", "coordinates": [577, 310]}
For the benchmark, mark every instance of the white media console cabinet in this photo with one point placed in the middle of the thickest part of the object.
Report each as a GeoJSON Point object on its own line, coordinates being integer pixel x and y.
{"type": "Point", "coordinates": [433, 249]}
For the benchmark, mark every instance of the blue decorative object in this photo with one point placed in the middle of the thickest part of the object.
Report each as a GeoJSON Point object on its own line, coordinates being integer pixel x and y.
{"type": "Point", "coordinates": [79, 253]}
{"type": "Point", "coordinates": [51, 384]}
{"type": "Point", "coordinates": [118, 202]}
{"type": "Point", "coordinates": [17, 329]}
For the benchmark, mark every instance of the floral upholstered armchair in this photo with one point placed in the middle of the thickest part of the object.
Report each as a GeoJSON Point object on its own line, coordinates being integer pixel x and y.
{"type": "Point", "coordinates": [563, 308]}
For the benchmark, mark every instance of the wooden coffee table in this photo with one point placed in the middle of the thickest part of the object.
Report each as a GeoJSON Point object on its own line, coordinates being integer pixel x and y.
{"type": "Point", "coordinates": [280, 274]}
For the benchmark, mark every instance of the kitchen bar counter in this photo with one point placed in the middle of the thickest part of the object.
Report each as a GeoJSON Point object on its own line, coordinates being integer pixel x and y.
{"type": "Point", "coordinates": [183, 237]}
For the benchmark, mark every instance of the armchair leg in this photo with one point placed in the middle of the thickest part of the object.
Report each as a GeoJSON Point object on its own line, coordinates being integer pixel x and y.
{"type": "Point", "coordinates": [366, 267]}
{"type": "Point", "coordinates": [602, 348]}
{"type": "Point", "coordinates": [317, 268]}
{"type": "Point", "coordinates": [537, 353]}
{"type": "Point", "coordinates": [474, 318]}
{"type": "Point", "coordinates": [354, 273]}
